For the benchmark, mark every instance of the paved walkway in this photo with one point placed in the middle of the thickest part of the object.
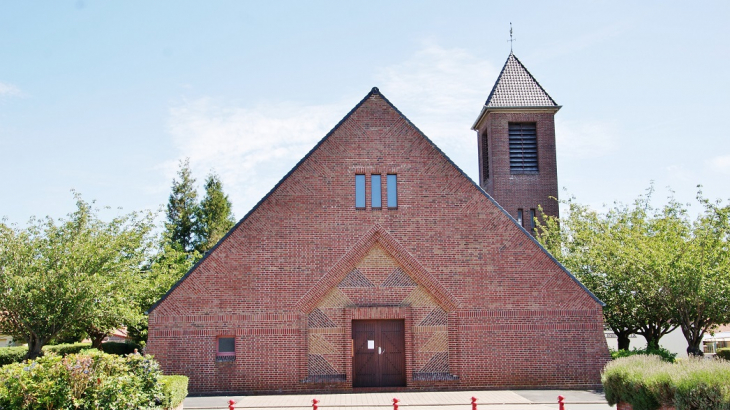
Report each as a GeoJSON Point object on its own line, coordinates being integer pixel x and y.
{"type": "Point", "coordinates": [448, 400]}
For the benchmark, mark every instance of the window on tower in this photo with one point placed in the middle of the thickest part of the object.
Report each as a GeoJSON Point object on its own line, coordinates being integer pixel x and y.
{"type": "Point", "coordinates": [485, 157]}
{"type": "Point", "coordinates": [522, 147]}
{"type": "Point", "coordinates": [533, 227]}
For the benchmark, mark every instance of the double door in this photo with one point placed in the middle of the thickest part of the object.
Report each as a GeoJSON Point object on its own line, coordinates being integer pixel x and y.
{"type": "Point", "coordinates": [379, 354]}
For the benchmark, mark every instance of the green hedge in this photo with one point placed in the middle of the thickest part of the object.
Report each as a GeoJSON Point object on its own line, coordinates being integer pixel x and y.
{"type": "Point", "coordinates": [66, 348]}
{"type": "Point", "coordinates": [120, 348]}
{"type": "Point", "coordinates": [647, 382]}
{"type": "Point", "coordinates": [174, 390]}
{"type": "Point", "coordinates": [724, 353]}
{"type": "Point", "coordinates": [665, 354]}
{"type": "Point", "coordinates": [10, 355]}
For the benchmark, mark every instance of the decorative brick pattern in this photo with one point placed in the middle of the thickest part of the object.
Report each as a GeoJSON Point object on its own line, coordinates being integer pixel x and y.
{"type": "Point", "coordinates": [439, 363]}
{"type": "Point", "coordinates": [419, 297]}
{"type": "Point", "coordinates": [437, 317]}
{"type": "Point", "coordinates": [376, 236]}
{"type": "Point", "coordinates": [377, 257]}
{"type": "Point", "coordinates": [439, 342]}
{"type": "Point", "coordinates": [398, 279]}
{"type": "Point", "coordinates": [319, 366]}
{"type": "Point", "coordinates": [355, 279]}
{"type": "Point", "coordinates": [319, 345]}
{"type": "Point", "coordinates": [335, 299]}
{"type": "Point", "coordinates": [318, 319]}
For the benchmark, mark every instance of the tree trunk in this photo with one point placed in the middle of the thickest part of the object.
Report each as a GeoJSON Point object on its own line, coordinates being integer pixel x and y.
{"type": "Point", "coordinates": [694, 344]}
{"type": "Point", "coordinates": [35, 346]}
{"type": "Point", "coordinates": [694, 333]}
{"type": "Point", "coordinates": [652, 340]}
{"type": "Point", "coordinates": [623, 340]}
{"type": "Point", "coordinates": [653, 332]}
{"type": "Point", "coordinates": [695, 349]}
{"type": "Point", "coordinates": [96, 339]}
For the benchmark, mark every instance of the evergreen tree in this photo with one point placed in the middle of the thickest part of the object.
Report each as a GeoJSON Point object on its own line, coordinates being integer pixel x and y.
{"type": "Point", "coordinates": [214, 218]}
{"type": "Point", "coordinates": [182, 208]}
{"type": "Point", "coordinates": [167, 266]}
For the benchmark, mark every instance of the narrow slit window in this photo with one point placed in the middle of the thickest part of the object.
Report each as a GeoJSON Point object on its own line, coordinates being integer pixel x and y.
{"type": "Point", "coordinates": [532, 220]}
{"type": "Point", "coordinates": [392, 191]}
{"type": "Point", "coordinates": [485, 157]}
{"type": "Point", "coordinates": [375, 192]}
{"type": "Point", "coordinates": [519, 217]}
{"type": "Point", "coordinates": [226, 350]}
{"type": "Point", "coordinates": [360, 191]}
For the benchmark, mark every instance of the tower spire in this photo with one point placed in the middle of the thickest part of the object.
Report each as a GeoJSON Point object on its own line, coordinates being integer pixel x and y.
{"type": "Point", "coordinates": [511, 40]}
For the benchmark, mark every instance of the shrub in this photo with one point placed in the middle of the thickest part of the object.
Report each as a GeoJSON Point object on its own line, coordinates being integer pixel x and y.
{"type": "Point", "coordinates": [665, 354]}
{"type": "Point", "coordinates": [724, 353]}
{"type": "Point", "coordinates": [88, 380]}
{"type": "Point", "coordinates": [66, 348]}
{"type": "Point", "coordinates": [15, 354]}
{"type": "Point", "coordinates": [633, 380]}
{"type": "Point", "coordinates": [646, 382]}
{"type": "Point", "coordinates": [703, 385]}
{"type": "Point", "coordinates": [12, 354]}
{"type": "Point", "coordinates": [174, 390]}
{"type": "Point", "coordinates": [35, 385]}
{"type": "Point", "coordinates": [120, 348]}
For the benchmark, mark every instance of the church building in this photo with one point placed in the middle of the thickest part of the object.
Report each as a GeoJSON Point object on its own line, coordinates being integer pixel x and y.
{"type": "Point", "coordinates": [377, 263]}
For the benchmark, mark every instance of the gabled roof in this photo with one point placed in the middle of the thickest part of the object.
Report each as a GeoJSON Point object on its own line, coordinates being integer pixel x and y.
{"type": "Point", "coordinates": [373, 93]}
{"type": "Point", "coordinates": [516, 87]}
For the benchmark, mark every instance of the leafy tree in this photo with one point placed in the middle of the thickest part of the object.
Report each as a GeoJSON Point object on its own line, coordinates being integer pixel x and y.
{"type": "Point", "coordinates": [182, 208]}
{"type": "Point", "coordinates": [74, 273]}
{"type": "Point", "coordinates": [582, 242]}
{"type": "Point", "coordinates": [163, 270]}
{"type": "Point", "coordinates": [699, 280]}
{"type": "Point", "coordinates": [654, 268]}
{"type": "Point", "coordinates": [214, 218]}
{"type": "Point", "coordinates": [69, 335]}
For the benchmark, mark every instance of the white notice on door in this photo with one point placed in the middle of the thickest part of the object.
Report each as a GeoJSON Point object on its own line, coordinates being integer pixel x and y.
{"type": "Point", "coordinates": [371, 344]}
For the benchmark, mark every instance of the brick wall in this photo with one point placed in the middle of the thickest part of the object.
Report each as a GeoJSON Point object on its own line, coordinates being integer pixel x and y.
{"type": "Point", "coordinates": [520, 191]}
{"type": "Point", "coordinates": [483, 304]}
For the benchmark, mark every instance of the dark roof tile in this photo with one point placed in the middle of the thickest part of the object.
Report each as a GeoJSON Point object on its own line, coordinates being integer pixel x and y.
{"type": "Point", "coordinates": [516, 87]}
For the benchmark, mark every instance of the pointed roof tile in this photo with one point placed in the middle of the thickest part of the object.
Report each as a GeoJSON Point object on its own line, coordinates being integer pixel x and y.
{"type": "Point", "coordinates": [516, 87]}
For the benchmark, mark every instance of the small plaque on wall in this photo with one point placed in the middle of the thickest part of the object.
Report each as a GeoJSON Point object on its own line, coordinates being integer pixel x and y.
{"type": "Point", "coordinates": [371, 344]}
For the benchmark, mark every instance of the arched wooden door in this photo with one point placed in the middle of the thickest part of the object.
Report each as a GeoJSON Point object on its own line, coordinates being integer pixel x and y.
{"type": "Point", "coordinates": [379, 356]}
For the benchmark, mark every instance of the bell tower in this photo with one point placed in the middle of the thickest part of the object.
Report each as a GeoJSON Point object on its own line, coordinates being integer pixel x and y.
{"type": "Point", "coordinates": [516, 137]}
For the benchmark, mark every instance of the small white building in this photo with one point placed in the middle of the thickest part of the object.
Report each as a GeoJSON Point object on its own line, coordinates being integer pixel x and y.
{"type": "Point", "coordinates": [718, 340]}
{"type": "Point", "coordinates": [675, 342]}
{"type": "Point", "coordinates": [6, 341]}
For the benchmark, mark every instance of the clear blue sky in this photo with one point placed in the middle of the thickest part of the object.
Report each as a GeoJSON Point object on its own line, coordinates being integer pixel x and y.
{"type": "Point", "coordinates": [107, 97]}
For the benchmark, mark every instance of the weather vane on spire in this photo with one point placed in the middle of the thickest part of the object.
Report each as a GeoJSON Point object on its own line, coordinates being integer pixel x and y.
{"type": "Point", "coordinates": [511, 40]}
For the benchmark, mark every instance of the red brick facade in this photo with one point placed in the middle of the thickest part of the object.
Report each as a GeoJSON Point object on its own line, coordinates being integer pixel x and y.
{"type": "Point", "coordinates": [515, 191]}
{"type": "Point", "coordinates": [483, 304]}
